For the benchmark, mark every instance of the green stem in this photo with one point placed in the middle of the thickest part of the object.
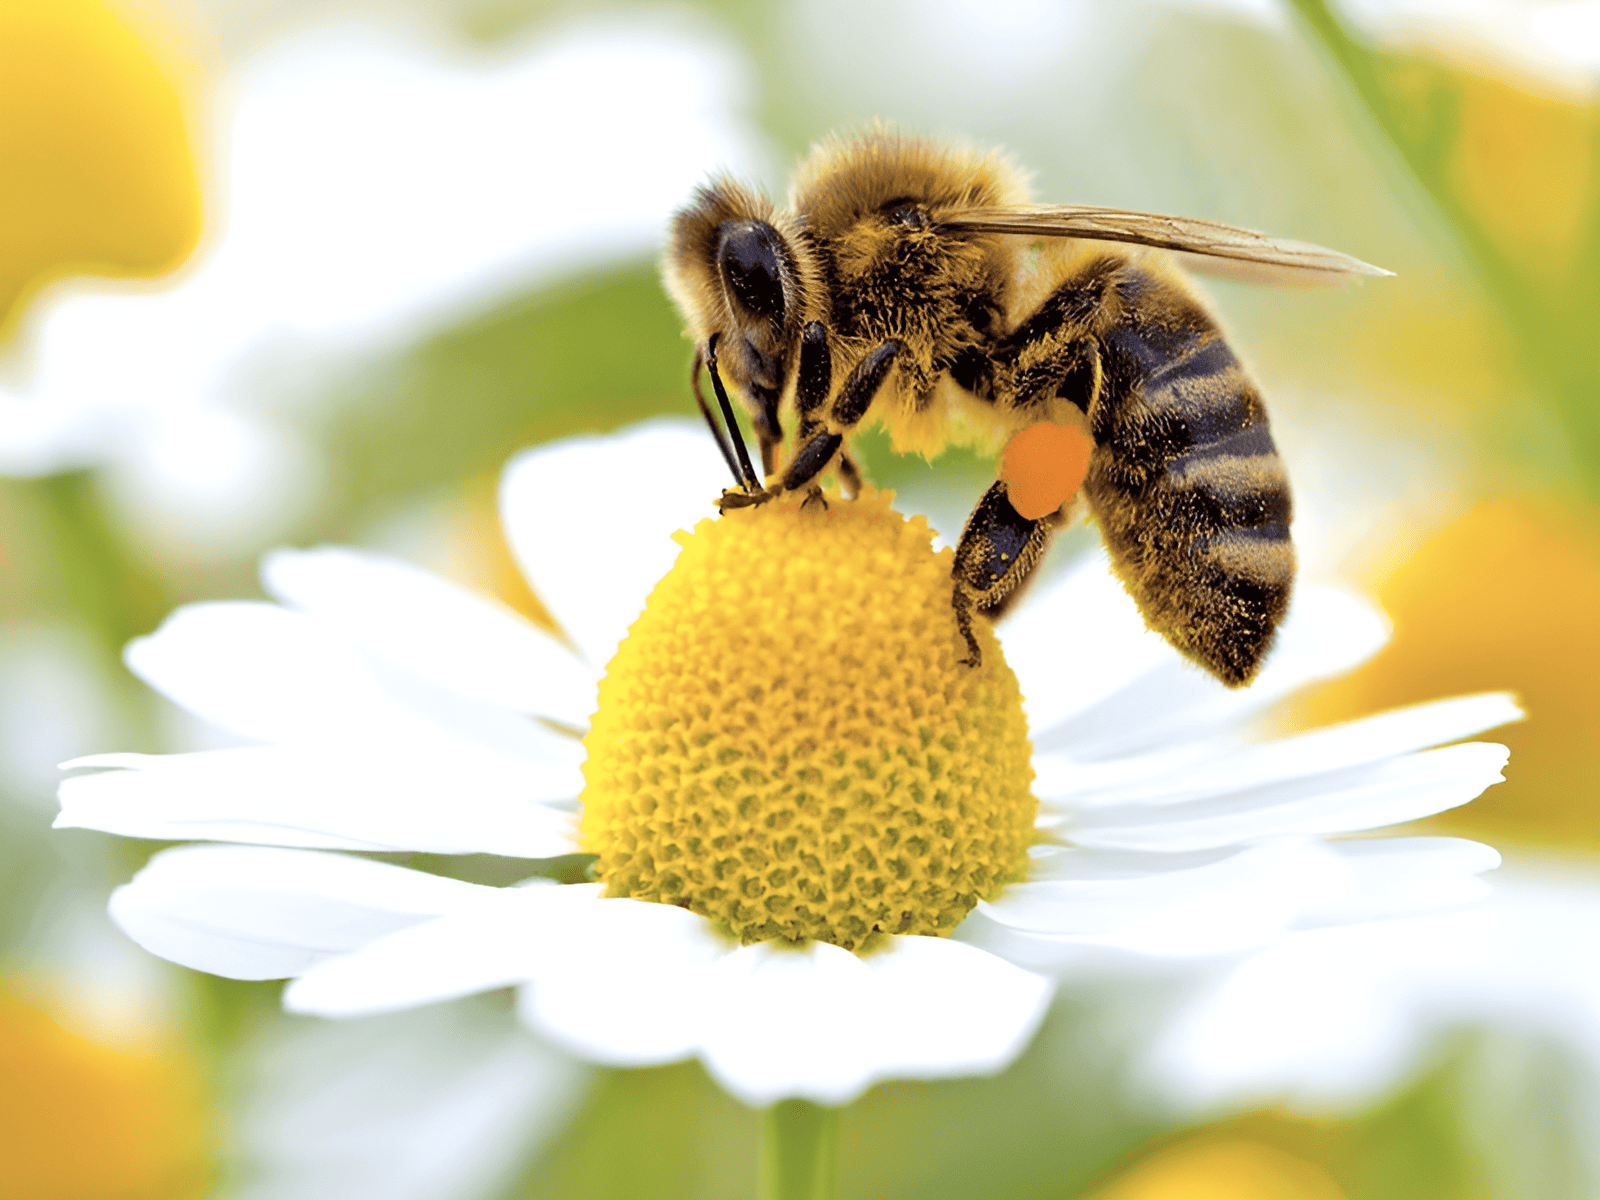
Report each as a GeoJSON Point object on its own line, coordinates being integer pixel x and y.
{"type": "Point", "coordinates": [800, 1152]}
{"type": "Point", "coordinates": [1546, 324]}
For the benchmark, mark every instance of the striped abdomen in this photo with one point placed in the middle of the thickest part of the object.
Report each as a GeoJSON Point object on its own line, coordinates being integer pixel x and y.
{"type": "Point", "coordinates": [1187, 485]}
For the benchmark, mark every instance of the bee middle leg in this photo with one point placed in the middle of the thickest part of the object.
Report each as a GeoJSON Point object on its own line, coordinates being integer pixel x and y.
{"type": "Point", "coordinates": [819, 444]}
{"type": "Point", "coordinates": [998, 550]}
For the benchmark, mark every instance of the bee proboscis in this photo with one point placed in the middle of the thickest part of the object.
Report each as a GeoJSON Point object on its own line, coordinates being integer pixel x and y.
{"type": "Point", "coordinates": [911, 283]}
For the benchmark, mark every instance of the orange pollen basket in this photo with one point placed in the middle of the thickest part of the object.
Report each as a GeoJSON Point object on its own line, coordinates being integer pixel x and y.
{"type": "Point", "coordinates": [1044, 466]}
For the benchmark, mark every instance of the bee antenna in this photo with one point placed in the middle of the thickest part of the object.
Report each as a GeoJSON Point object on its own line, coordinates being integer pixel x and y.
{"type": "Point", "coordinates": [747, 473]}
{"type": "Point", "coordinates": [711, 421]}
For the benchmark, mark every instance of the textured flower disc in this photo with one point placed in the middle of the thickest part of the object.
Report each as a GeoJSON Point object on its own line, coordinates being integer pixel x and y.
{"type": "Point", "coordinates": [789, 744]}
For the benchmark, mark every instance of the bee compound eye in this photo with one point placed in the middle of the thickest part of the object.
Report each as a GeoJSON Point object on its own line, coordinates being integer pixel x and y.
{"type": "Point", "coordinates": [750, 258]}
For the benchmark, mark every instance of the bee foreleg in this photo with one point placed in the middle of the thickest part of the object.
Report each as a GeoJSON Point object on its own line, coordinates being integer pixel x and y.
{"type": "Point", "coordinates": [711, 422]}
{"type": "Point", "coordinates": [998, 550]}
{"type": "Point", "coordinates": [749, 479]}
{"type": "Point", "coordinates": [855, 397]}
{"type": "Point", "coordinates": [815, 377]}
{"type": "Point", "coordinates": [814, 381]}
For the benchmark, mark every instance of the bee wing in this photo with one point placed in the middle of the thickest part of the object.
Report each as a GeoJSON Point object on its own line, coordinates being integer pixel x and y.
{"type": "Point", "coordinates": [1244, 253]}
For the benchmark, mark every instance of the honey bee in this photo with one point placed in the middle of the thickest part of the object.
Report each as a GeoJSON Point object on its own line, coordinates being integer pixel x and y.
{"type": "Point", "coordinates": [910, 283]}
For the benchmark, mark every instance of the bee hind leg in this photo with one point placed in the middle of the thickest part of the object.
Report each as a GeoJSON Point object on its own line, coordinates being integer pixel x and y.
{"type": "Point", "coordinates": [998, 550]}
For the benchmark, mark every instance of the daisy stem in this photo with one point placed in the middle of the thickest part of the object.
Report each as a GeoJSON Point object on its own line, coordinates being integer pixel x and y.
{"type": "Point", "coordinates": [800, 1152]}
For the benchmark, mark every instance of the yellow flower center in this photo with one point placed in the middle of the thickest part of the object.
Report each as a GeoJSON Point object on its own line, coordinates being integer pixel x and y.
{"type": "Point", "coordinates": [789, 744]}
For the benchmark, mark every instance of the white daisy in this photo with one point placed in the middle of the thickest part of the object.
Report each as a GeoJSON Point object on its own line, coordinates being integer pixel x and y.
{"type": "Point", "coordinates": [1334, 1019]}
{"type": "Point", "coordinates": [880, 792]}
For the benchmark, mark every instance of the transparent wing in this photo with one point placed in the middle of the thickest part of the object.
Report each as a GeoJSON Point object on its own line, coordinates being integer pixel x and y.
{"type": "Point", "coordinates": [1284, 260]}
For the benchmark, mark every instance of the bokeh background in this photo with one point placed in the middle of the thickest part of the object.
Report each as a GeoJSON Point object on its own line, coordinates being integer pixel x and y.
{"type": "Point", "coordinates": [293, 271]}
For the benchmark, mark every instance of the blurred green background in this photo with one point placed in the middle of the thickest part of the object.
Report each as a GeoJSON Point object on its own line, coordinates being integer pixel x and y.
{"type": "Point", "coordinates": [1443, 426]}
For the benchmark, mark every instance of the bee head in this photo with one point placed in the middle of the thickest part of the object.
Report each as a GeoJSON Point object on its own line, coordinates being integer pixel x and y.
{"type": "Point", "coordinates": [744, 277]}
{"type": "Point", "coordinates": [734, 269]}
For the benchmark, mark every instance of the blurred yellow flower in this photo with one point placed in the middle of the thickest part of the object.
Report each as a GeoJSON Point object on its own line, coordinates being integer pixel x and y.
{"type": "Point", "coordinates": [1525, 168]}
{"type": "Point", "coordinates": [81, 1122]}
{"type": "Point", "coordinates": [1230, 1169]}
{"type": "Point", "coordinates": [100, 174]}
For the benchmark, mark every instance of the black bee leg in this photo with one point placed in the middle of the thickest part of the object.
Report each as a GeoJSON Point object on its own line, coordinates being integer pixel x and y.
{"type": "Point", "coordinates": [855, 397]}
{"type": "Point", "coordinates": [812, 384]}
{"type": "Point", "coordinates": [815, 378]}
{"type": "Point", "coordinates": [813, 456]}
{"type": "Point", "coordinates": [998, 550]}
{"type": "Point", "coordinates": [861, 388]}
{"type": "Point", "coordinates": [711, 422]}
{"type": "Point", "coordinates": [753, 492]}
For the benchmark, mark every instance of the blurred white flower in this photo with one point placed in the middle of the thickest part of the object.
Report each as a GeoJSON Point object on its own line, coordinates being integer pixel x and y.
{"type": "Point", "coordinates": [52, 699]}
{"type": "Point", "coordinates": [392, 711]}
{"type": "Point", "coordinates": [441, 1103]}
{"type": "Point", "coordinates": [1557, 40]}
{"type": "Point", "coordinates": [1335, 1018]}
{"type": "Point", "coordinates": [375, 185]}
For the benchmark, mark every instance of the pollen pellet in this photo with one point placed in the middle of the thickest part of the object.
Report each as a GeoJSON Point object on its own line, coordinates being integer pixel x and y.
{"type": "Point", "coordinates": [789, 744]}
{"type": "Point", "coordinates": [1044, 466]}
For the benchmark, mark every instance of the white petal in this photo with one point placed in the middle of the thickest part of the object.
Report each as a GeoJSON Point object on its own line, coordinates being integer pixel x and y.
{"type": "Point", "coordinates": [1188, 905]}
{"type": "Point", "coordinates": [821, 1024]}
{"type": "Point", "coordinates": [1391, 876]}
{"type": "Point", "coordinates": [252, 913]}
{"type": "Point", "coordinates": [257, 670]}
{"type": "Point", "coordinates": [628, 984]}
{"type": "Point", "coordinates": [342, 797]}
{"type": "Point", "coordinates": [632, 984]}
{"type": "Point", "coordinates": [1355, 743]}
{"type": "Point", "coordinates": [436, 629]}
{"type": "Point", "coordinates": [1338, 801]}
{"type": "Point", "coordinates": [1325, 633]}
{"type": "Point", "coordinates": [493, 944]}
{"type": "Point", "coordinates": [1221, 901]}
{"type": "Point", "coordinates": [274, 675]}
{"type": "Point", "coordinates": [591, 519]}
{"type": "Point", "coordinates": [618, 981]}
